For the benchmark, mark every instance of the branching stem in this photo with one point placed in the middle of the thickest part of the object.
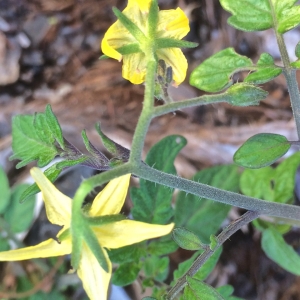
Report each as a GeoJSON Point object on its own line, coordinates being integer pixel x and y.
{"type": "Point", "coordinates": [202, 258]}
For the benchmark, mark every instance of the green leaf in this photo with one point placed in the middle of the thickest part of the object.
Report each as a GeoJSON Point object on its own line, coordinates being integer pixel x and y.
{"type": "Point", "coordinates": [255, 15]}
{"type": "Point", "coordinates": [54, 126]}
{"type": "Point", "coordinates": [244, 94]}
{"type": "Point", "coordinates": [18, 215]}
{"type": "Point", "coordinates": [198, 290]}
{"type": "Point", "coordinates": [202, 216]}
{"type": "Point", "coordinates": [127, 254]}
{"type": "Point", "coordinates": [257, 183]}
{"type": "Point", "coordinates": [33, 138]}
{"type": "Point", "coordinates": [208, 266]}
{"type": "Point", "coordinates": [4, 245]}
{"type": "Point", "coordinates": [204, 271]}
{"type": "Point", "coordinates": [266, 70]}
{"type": "Point", "coordinates": [297, 50]}
{"type": "Point", "coordinates": [52, 174]}
{"type": "Point", "coordinates": [261, 150]}
{"type": "Point", "coordinates": [152, 202]}
{"type": "Point", "coordinates": [187, 239]}
{"type": "Point", "coordinates": [5, 191]}
{"type": "Point", "coordinates": [126, 274]}
{"type": "Point", "coordinates": [157, 267]}
{"type": "Point", "coordinates": [161, 247]}
{"type": "Point", "coordinates": [285, 179]}
{"type": "Point", "coordinates": [215, 73]}
{"type": "Point", "coordinates": [296, 64]}
{"type": "Point", "coordinates": [279, 251]}
{"type": "Point", "coordinates": [225, 290]}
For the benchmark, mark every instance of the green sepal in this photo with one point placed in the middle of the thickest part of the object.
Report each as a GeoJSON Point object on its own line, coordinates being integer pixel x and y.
{"type": "Point", "coordinates": [261, 150]}
{"type": "Point", "coordinates": [64, 235]}
{"type": "Point", "coordinates": [214, 74]}
{"type": "Point", "coordinates": [5, 191]}
{"type": "Point", "coordinates": [118, 151]}
{"type": "Point", "coordinates": [256, 15]}
{"type": "Point", "coordinates": [265, 70]}
{"type": "Point", "coordinates": [103, 220]}
{"type": "Point", "coordinates": [153, 18]}
{"type": "Point", "coordinates": [186, 239]}
{"type": "Point", "coordinates": [93, 243]}
{"type": "Point", "coordinates": [130, 26]}
{"type": "Point", "coordinates": [198, 290]}
{"type": "Point", "coordinates": [244, 94]}
{"type": "Point", "coordinates": [279, 251]}
{"type": "Point", "coordinates": [103, 57]}
{"type": "Point", "coordinates": [93, 150]}
{"type": "Point", "coordinates": [173, 43]}
{"type": "Point", "coordinates": [125, 50]}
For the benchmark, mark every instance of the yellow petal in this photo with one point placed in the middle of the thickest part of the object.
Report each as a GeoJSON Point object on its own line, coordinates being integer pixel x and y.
{"type": "Point", "coordinates": [115, 37]}
{"type": "Point", "coordinates": [95, 280]}
{"type": "Point", "coordinates": [111, 199]}
{"type": "Point", "coordinates": [134, 68]}
{"type": "Point", "coordinates": [127, 232]}
{"type": "Point", "coordinates": [58, 205]}
{"type": "Point", "coordinates": [174, 58]}
{"type": "Point", "coordinates": [172, 23]}
{"type": "Point", "coordinates": [49, 248]}
{"type": "Point", "coordinates": [143, 5]}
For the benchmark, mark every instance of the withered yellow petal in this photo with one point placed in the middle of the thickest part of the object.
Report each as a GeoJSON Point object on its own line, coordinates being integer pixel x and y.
{"type": "Point", "coordinates": [134, 67]}
{"type": "Point", "coordinates": [174, 57]}
{"type": "Point", "coordinates": [58, 205]}
{"type": "Point", "coordinates": [127, 232]}
{"type": "Point", "coordinates": [48, 248]}
{"type": "Point", "coordinates": [172, 23]}
{"type": "Point", "coordinates": [111, 199]}
{"type": "Point", "coordinates": [95, 280]}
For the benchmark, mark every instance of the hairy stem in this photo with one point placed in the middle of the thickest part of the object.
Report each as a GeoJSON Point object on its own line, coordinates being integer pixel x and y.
{"type": "Point", "coordinates": [290, 76]}
{"type": "Point", "coordinates": [205, 191]}
{"type": "Point", "coordinates": [202, 258]}
{"type": "Point", "coordinates": [202, 100]}
{"type": "Point", "coordinates": [146, 115]}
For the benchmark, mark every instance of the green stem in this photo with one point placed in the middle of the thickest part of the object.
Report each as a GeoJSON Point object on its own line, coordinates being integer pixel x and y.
{"type": "Point", "coordinates": [146, 114]}
{"type": "Point", "coordinates": [202, 258]}
{"type": "Point", "coordinates": [202, 100]}
{"type": "Point", "coordinates": [205, 191]}
{"type": "Point", "coordinates": [290, 76]}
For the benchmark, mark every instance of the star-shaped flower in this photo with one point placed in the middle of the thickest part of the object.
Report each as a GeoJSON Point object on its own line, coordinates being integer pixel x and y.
{"type": "Point", "coordinates": [113, 234]}
{"type": "Point", "coordinates": [151, 30]}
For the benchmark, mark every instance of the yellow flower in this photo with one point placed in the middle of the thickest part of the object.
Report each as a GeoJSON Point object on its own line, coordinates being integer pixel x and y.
{"type": "Point", "coordinates": [172, 24]}
{"type": "Point", "coordinates": [110, 235]}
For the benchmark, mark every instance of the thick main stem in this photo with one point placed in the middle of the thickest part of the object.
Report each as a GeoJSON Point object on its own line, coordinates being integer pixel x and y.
{"type": "Point", "coordinates": [201, 259]}
{"type": "Point", "coordinates": [290, 76]}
